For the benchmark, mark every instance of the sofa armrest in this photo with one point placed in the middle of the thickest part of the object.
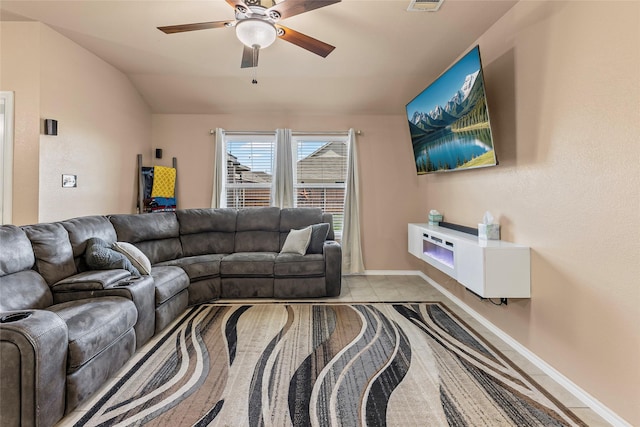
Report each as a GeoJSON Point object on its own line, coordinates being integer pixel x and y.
{"type": "Point", "coordinates": [33, 356]}
{"type": "Point", "coordinates": [332, 252]}
{"type": "Point", "coordinates": [93, 284]}
{"type": "Point", "coordinates": [90, 280]}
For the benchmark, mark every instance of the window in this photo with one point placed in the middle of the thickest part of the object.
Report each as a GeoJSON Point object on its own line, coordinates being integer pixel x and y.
{"type": "Point", "coordinates": [249, 170]}
{"type": "Point", "coordinates": [319, 172]}
{"type": "Point", "coordinates": [320, 175]}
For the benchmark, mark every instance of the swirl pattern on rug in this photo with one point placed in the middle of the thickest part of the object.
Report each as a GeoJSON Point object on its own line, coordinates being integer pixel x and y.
{"type": "Point", "coordinates": [290, 364]}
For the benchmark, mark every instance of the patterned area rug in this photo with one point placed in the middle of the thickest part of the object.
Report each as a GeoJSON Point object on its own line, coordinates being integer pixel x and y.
{"type": "Point", "coordinates": [325, 365]}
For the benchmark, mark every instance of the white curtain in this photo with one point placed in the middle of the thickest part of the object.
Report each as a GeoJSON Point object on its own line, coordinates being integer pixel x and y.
{"type": "Point", "coordinates": [351, 248]}
{"type": "Point", "coordinates": [219, 195]}
{"type": "Point", "coordinates": [282, 186]}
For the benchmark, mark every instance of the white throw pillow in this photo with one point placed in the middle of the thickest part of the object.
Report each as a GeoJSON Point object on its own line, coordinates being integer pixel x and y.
{"type": "Point", "coordinates": [297, 241]}
{"type": "Point", "coordinates": [135, 255]}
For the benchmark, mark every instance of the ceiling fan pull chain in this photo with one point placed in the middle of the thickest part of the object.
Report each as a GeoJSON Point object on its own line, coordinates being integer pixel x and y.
{"type": "Point", "coordinates": [256, 51]}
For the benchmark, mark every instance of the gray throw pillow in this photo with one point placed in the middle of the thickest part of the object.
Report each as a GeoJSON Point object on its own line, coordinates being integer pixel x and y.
{"type": "Point", "coordinates": [297, 241]}
{"type": "Point", "coordinates": [319, 234]}
{"type": "Point", "coordinates": [100, 256]}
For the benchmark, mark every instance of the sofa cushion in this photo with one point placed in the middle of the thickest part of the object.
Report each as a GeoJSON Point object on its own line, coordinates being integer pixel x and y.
{"type": "Point", "coordinates": [257, 241]}
{"type": "Point", "coordinates": [94, 324]}
{"type": "Point", "coordinates": [20, 256]}
{"type": "Point", "coordinates": [161, 250]}
{"type": "Point", "coordinates": [53, 251]}
{"type": "Point", "coordinates": [198, 267]}
{"type": "Point", "coordinates": [23, 290]}
{"type": "Point", "coordinates": [207, 231]}
{"type": "Point", "coordinates": [205, 220]}
{"type": "Point", "coordinates": [257, 230]}
{"type": "Point", "coordinates": [210, 242]}
{"type": "Point", "coordinates": [319, 234]}
{"type": "Point", "coordinates": [139, 228]}
{"type": "Point", "coordinates": [135, 255]}
{"type": "Point", "coordinates": [248, 264]}
{"type": "Point", "coordinates": [292, 218]}
{"type": "Point", "coordinates": [169, 281]}
{"type": "Point", "coordinates": [81, 229]}
{"type": "Point", "coordinates": [297, 241]}
{"type": "Point", "coordinates": [294, 265]}
{"type": "Point", "coordinates": [156, 235]}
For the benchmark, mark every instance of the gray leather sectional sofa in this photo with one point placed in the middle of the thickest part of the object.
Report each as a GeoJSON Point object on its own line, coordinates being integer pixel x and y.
{"type": "Point", "coordinates": [66, 328]}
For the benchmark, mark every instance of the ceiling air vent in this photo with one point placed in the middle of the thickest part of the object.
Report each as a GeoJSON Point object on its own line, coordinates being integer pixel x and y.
{"type": "Point", "coordinates": [424, 5]}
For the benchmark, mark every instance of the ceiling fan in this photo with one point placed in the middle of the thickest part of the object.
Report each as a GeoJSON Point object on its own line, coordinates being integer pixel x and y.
{"type": "Point", "coordinates": [257, 26]}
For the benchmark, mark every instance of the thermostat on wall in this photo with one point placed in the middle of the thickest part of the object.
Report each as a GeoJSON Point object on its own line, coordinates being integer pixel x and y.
{"type": "Point", "coordinates": [69, 181]}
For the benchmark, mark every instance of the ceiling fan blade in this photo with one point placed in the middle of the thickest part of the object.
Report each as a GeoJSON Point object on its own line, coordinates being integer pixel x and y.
{"type": "Point", "coordinates": [306, 42]}
{"type": "Point", "coordinates": [248, 58]}
{"type": "Point", "coordinates": [171, 29]}
{"type": "Point", "coordinates": [288, 8]}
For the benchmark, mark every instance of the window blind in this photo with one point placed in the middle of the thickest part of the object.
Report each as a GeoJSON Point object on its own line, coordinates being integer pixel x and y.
{"type": "Point", "coordinates": [320, 172]}
{"type": "Point", "coordinates": [249, 171]}
{"type": "Point", "coordinates": [320, 175]}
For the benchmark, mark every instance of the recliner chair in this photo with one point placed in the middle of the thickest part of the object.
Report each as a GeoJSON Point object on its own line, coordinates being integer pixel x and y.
{"type": "Point", "coordinates": [53, 356]}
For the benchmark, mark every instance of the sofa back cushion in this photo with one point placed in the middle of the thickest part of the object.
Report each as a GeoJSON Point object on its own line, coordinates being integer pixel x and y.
{"type": "Point", "coordinates": [157, 235]}
{"type": "Point", "coordinates": [53, 251]}
{"type": "Point", "coordinates": [207, 231]}
{"type": "Point", "coordinates": [84, 228]}
{"type": "Point", "coordinates": [16, 254]}
{"type": "Point", "coordinates": [258, 230]}
{"type": "Point", "coordinates": [20, 286]}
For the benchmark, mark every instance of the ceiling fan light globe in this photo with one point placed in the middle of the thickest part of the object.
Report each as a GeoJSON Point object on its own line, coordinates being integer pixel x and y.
{"type": "Point", "coordinates": [256, 32]}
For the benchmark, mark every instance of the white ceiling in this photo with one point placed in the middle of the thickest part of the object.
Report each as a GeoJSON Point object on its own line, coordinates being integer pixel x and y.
{"type": "Point", "coordinates": [384, 54]}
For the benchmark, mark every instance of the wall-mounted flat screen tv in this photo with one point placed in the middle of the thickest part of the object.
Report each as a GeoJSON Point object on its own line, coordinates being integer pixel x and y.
{"type": "Point", "coordinates": [449, 120]}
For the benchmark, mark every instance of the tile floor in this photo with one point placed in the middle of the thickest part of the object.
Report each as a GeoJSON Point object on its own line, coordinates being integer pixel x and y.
{"type": "Point", "coordinates": [381, 288]}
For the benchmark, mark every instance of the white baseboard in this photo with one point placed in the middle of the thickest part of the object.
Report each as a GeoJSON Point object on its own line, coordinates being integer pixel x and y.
{"type": "Point", "coordinates": [391, 273]}
{"type": "Point", "coordinates": [590, 401]}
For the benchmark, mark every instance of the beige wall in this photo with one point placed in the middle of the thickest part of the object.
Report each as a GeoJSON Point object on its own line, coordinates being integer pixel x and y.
{"type": "Point", "coordinates": [20, 72]}
{"type": "Point", "coordinates": [564, 98]}
{"type": "Point", "coordinates": [102, 124]}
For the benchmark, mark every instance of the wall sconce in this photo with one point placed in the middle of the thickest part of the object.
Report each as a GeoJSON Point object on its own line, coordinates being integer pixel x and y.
{"type": "Point", "coordinates": [50, 127]}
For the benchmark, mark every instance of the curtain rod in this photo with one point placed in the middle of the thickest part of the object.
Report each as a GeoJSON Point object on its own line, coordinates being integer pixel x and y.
{"type": "Point", "coordinates": [339, 133]}
{"type": "Point", "coordinates": [239, 132]}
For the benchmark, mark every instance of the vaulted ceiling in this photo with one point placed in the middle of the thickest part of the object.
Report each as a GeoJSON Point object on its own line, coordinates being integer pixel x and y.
{"type": "Point", "coordinates": [384, 54]}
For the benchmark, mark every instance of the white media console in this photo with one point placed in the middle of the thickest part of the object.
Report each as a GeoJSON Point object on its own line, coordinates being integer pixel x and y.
{"type": "Point", "coordinates": [489, 268]}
